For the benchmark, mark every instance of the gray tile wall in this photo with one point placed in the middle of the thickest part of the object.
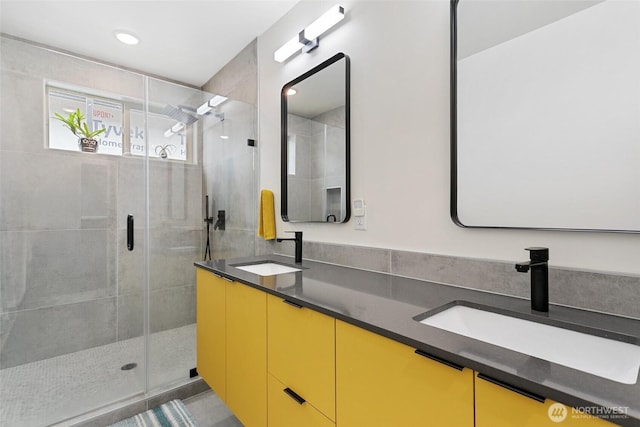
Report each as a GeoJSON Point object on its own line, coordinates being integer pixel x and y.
{"type": "Point", "coordinates": [67, 282]}
{"type": "Point", "coordinates": [238, 80]}
{"type": "Point", "coordinates": [231, 166]}
{"type": "Point", "coordinates": [320, 164]}
{"type": "Point", "coordinates": [596, 291]}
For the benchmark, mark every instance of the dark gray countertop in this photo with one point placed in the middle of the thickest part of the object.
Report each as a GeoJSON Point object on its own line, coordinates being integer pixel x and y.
{"type": "Point", "coordinates": [387, 304]}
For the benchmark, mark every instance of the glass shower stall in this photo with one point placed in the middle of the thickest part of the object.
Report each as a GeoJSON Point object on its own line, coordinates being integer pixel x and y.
{"type": "Point", "coordinates": [97, 284]}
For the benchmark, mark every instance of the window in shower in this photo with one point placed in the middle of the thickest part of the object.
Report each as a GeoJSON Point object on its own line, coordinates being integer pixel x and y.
{"type": "Point", "coordinates": [124, 124]}
{"type": "Point", "coordinates": [162, 138]}
{"type": "Point", "coordinates": [100, 113]}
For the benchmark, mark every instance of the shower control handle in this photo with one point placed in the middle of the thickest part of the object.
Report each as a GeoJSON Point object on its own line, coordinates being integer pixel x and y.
{"type": "Point", "coordinates": [130, 232]}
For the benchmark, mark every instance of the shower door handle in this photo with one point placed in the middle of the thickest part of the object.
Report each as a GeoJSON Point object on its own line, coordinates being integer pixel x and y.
{"type": "Point", "coordinates": [130, 232]}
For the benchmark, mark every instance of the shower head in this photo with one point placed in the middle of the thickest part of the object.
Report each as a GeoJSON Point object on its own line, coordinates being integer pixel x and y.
{"type": "Point", "coordinates": [178, 114]}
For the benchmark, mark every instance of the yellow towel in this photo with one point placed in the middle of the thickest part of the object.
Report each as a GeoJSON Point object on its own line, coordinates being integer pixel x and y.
{"type": "Point", "coordinates": [267, 216]}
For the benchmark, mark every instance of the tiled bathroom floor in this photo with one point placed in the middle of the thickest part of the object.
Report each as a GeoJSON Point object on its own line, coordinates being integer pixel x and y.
{"type": "Point", "coordinates": [209, 411]}
{"type": "Point", "coordinates": [47, 391]}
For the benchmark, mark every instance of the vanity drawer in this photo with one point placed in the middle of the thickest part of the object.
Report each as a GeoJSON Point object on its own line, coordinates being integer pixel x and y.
{"type": "Point", "coordinates": [301, 352]}
{"type": "Point", "coordinates": [287, 409]}
{"type": "Point", "coordinates": [381, 383]}
{"type": "Point", "coordinates": [497, 406]}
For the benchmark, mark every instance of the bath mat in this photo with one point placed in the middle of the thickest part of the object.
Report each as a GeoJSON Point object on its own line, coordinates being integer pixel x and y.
{"type": "Point", "coordinates": [171, 414]}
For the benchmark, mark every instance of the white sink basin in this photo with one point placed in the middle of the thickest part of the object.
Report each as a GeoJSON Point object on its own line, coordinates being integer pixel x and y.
{"type": "Point", "coordinates": [267, 268]}
{"type": "Point", "coordinates": [611, 359]}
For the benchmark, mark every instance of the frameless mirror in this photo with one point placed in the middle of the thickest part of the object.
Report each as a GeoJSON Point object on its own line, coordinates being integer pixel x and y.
{"type": "Point", "coordinates": [546, 114]}
{"type": "Point", "coordinates": [315, 144]}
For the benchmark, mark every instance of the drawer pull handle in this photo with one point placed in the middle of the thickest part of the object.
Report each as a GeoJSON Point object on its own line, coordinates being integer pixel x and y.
{"type": "Point", "coordinates": [222, 277]}
{"type": "Point", "coordinates": [440, 360]}
{"type": "Point", "coordinates": [291, 303]}
{"type": "Point", "coordinates": [295, 396]}
{"type": "Point", "coordinates": [515, 389]}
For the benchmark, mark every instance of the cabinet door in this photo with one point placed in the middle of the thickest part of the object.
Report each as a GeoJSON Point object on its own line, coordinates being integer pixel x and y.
{"type": "Point", "coordinates": [301, 352]}
{"type": "Point", "coordinates": [286, 410]}
{"type": "Point", "coordinates": [497, 406]}
{"type": "Point", "coordinates": [380, 382]}
{"type": "Point", "coordinates": [247, 354]}
{"type": "Point", "coordinates": [210, 330]}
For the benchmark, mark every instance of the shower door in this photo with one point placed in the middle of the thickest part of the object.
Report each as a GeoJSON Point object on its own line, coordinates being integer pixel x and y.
{"type": "Point", "coordinates": [72, 295]}
{"type": "Point", "coordinates": [175, 228]}
{"type": "Point", "coordinates": [97, 283]}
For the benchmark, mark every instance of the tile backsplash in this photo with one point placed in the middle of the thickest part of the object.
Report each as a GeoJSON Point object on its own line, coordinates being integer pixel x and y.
{"type": "Point", "coordinates": [603, 292]}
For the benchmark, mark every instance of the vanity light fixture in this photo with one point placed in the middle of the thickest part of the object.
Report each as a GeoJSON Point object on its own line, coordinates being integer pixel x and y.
{"type": "Point", "coordinates": [307, 39]}
{"type": "Point", "coordinates": [127, 38]}
{"type": "Point", "coordinates": [210, 104]}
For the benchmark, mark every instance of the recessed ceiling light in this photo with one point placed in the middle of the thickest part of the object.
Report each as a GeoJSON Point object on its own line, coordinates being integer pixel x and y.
{"type": "Point", "coordinates": [127, 38]}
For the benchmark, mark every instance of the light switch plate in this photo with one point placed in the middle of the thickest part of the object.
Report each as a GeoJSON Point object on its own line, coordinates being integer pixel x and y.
{"type": "Point", "coordinates": [360, 222]}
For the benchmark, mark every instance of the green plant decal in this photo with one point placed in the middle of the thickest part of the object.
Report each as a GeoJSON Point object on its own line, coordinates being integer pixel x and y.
{"type": "Point", "coordinates": [76, 124]}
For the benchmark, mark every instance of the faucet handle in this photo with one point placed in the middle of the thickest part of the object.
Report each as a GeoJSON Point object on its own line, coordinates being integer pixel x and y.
{"type": "Point", "coordinates": [538, 253]}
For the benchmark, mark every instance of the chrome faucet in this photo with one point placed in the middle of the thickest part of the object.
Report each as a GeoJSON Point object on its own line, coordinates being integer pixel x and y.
{"type": "Point", "coordinates": [539, 277]}
{"type": "Point", "coordinates": [298, 240]}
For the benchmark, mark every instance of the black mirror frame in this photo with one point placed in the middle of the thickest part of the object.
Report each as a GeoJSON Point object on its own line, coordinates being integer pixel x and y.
{"type": "Point", "coordinates": [284, 133]}
{"type": "Point", "coordinates": [453, 206]}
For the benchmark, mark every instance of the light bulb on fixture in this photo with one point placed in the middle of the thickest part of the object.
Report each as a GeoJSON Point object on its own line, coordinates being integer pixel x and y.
{"type": "Point", "coordinates": [210, 104]}
{"type": "Point", "coordinates": [308, 39]}
{"type": "Point", "coordinates": [324, 22]}
{"type": "Point", "coordinates": [291, 91]}
{"type": "Point", "coordinates": [288, 49]}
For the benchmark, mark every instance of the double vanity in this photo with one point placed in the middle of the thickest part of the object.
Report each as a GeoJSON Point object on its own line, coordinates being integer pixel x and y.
{"type": "Point", "coordinates": [313, 344]}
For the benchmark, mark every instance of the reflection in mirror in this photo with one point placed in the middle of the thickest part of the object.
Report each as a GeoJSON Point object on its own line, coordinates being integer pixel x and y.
{"type": "Point", "coordinates": [315, 144]}
{"type": "Point", "coordinates": [545, 114]}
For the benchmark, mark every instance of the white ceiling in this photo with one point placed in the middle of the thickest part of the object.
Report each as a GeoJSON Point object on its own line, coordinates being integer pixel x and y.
{"type": "Point", "coordinates": [486, 23]}
{"type": "Point", "coordinates": [183, 40]}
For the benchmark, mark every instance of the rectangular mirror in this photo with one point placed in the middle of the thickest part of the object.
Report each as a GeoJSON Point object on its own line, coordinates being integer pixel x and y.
{"type": "Point", "coordinates": [546, 114]}
{"type": "Point", "coordinates": [315, 170]}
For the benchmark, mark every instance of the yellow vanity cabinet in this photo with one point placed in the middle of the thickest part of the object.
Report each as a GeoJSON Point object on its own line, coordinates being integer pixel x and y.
{"type": "Point", "coordinates": [301, 364]}
{"type": "Point", "coordinates": [211, 330]}
{"type": "Point", "coordinates": [276, 363]}
{"type": "Point", "coordinates": [381, 382]}
{"type": "Point", "coordinates": [497, 406]}
{"type": "Point", "coordinates": [232, 345]}
{"type": "Point", "coordinates": [247, 354]}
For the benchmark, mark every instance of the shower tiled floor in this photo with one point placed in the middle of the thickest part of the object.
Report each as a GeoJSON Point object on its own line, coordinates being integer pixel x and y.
{"type": "Point", "coordinates": [48, 391]}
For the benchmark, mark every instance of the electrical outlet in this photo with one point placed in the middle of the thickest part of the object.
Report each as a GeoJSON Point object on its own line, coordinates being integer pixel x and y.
{"type": "Point", "coordinates": [360, 222]}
